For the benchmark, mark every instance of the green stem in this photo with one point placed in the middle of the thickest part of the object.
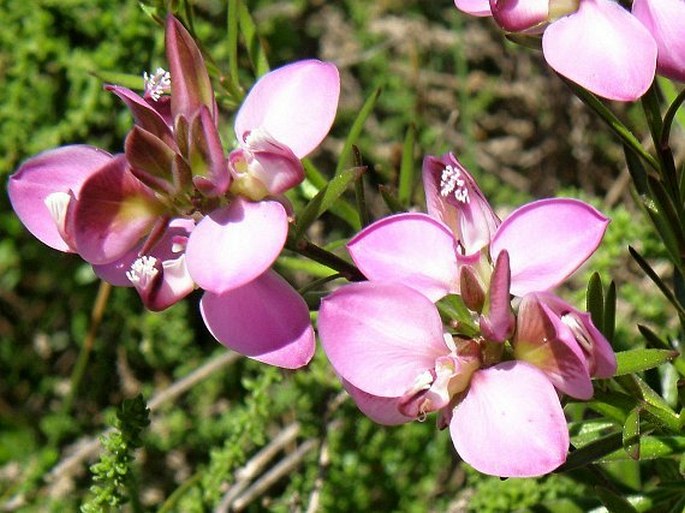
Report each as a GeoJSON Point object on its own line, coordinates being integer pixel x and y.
{"type": "Point", "coordinates": [359, 190]}
{"type": "Point", "coordinates": [170, 504]}
{"type": "Point", "coordinates": [613, 122]}
{"type": "Point", "coordinates": [318, 254]}
{"type": "Point", "coordinates": [96, 316]}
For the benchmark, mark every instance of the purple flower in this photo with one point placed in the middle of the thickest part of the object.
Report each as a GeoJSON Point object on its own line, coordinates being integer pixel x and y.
{"type": "Point", "coordinates": [174, 212]}
{"type": "Point", "coordinates": [596, 43]}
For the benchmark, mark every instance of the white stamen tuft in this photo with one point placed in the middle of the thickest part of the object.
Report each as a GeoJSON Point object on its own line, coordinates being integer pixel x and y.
{"type": "Point", "coordinates": [143, 271]}
{"type": "Point", "coordinates": [158, 84]}
{"type": "Point", "coordinates": [579, 331]}
{"type": "Point", "coordinates": [452, 182]}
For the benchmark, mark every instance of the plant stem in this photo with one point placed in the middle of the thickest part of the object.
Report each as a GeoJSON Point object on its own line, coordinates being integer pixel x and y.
{"type": "Point", "coordinates": [318, 254]}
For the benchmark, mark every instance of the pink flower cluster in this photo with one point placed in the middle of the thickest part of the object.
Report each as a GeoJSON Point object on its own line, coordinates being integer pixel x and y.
{"type": "Point", "coordinates": [597, 43]}
{"type": "Point", "coordinates": [495, 377]}
{"type": "Point", "coordinates": [174, 212]}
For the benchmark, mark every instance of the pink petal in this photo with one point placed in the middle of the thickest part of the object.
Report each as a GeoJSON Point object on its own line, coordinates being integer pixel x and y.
{"type": "Point", "coordinates": [665, 20]}
{"type": "Point", "coordinates": [600, 354]}
{"type": "Point", "coordinates": [148, 117]}
{"type": "Point", "coordinates": [206, 155]}
{"type": "Point", "coordinates": [474, 7]}
{"type": "Point", "coordinates": [383, 410]}
{"type": "Point", "coordinates": [618, 63]}
{"type": "Point", "coordinates": [546, 342]}
{"type": "Point", "coordinates": [235, 244]}
{"type": "Point", "coordinates": [497, 323]}
{"type": "Point", "coordinates": [380, 336]}
{"type": "Point", "coordinates": [165, 249]}
{"type": "Point", "coordinates": [295, 104]}
{"type": "Point", "coordinates": [263, 166]}
{"type": "Point", "coordinates": [114, 211]}
{"type": "Point", "coordinates": [413, 249]}
{"type": "Point", "coordinates": [510, 423]}
{"type": "Point", "coordinates": [266, 319]}
{"type": "Point", "coordinates": [190, 84]}
{"type": "Point", "coordinates": [547, 241]}
{"type": "Point", "coordinates": [453, 197]}
{"type": "Point", "coordinates": [519, 15]}
{"type": "Point", "coordinates": [62, 170]}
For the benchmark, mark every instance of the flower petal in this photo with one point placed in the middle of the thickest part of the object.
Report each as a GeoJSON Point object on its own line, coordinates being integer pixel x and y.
{"type": "Point", "coordinates": [547, 241]}
{"type": "Point", "coordinates": [266, 319]}
{"type": "Point", "coordinates": [114, 211]}
{"type": "Point", "coordinates": [62, 170]}
{"type": "Point", "coordinates": [148, 117]}
{"type": "Point", "coordinates": [618, 62]}
{"type": "Point", "coordinates": [453, 197]}
{"type": "Point", "coordinates": [510, 423]}
{"type": "Point", "coordinates": [383, 410]}
{"type": "Point", "coordinates": [546, 342]}
{"type": "Point", "coordinates": [665, 20]}
{"type": "Point", "coordinates": [380, 336]}
{"type": "Point", "coordinates": [235, 244]}
{"type": "Point", "coordinates": [295, 104]}
{"type": "Point", "coordinates": [517, 16]}
{"type": "Point", "coordinates": [474, 7]}
{"type": "Point", "coordinates": [190, 84]}
{"type": "Point", "coordinates": [413, 249]}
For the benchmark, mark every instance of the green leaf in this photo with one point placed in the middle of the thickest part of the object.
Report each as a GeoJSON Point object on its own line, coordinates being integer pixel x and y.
{"type": "Point", "coordinates": [594, 300]}
{"type": "Point", "coordinates": [325, 198]}
{"type": "Point", "coordinates": [232, 43]}
{"type": "Point", "coordinates": [341, 208]}
{"type": "Point", "coordinates": [406, 180]}
{"type": "Point", "coordinates": [653, 447]}
{"type": "Point", "coordinates": [255, 48]}
{"type": "Point", "coordinates": [391, 201]}
{"type": "Point", "coordinates": [652, 402]}
{"type": "Point", "coordinates": [652, 338]}
{"type": "Point", "coordinates": [631, 434]}
{"type": "Point", "coordinates": [614, 502]}
{"type": "Point", "coordinates": [308, 266]}
{"type": "Point", "coordinates": [592, 452]}
{"type": "Point", "coordinates": [609, 329]}
{"type": "Point", "coordinates": [356, 129]}
{"type": "Point", "coordinates": [638, 360]}
{"type": "Point", "coordinates": [657, 280]}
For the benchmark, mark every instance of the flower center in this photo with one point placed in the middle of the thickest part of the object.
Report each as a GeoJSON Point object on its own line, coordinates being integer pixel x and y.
{"type": "Point", "coordinates": [143, 271]}
{"type": "Point", "coordinates": [158, 84]}
{"type": "Point", "coordinates": [453, 183]}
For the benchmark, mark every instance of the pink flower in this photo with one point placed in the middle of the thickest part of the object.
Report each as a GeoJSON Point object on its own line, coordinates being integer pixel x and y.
{"type": "Point", "coordinates": [386, 340]}
{"type": "Point", "coordinates": [174, 212]}
{"type": "Point", "coordinates": [596, 43]}
{"type": "Point", "coordinates": [665, 20]}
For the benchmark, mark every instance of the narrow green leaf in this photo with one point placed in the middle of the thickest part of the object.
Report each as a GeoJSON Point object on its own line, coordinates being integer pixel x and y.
{"type": "Point", "coordinates": [232, 42]}
{"type": "Point", "coordinates": [406, 179]}
{"type": "Point", "coordinates": [674, 112]}
{"type": "Point", "coordinates": [615, 124]}
{"type": "Point", "coordinates": [652, 338]}
{"type": "Point", "coordinates": [638, 360]}
{"type": "Point", "coordinates": [631, 434]}
{"type": "Point", "coordinates": [325, 198]}
{"type": "Point", "coordinates": [652, 402]}
{"type": "Point", "coordinates": [341, 208]}
{"type": "Point", "coordinates": [592, 452]}
{"type": "Point", "coordinates": [527, 41]}
{"type": "Point", "coordinates": [610, 312]}
{"type": "Point", "coordinates": [651, 448]}
{"type": "Point", "coordinates": [614, 502]}
{"type": "Point", "coordinates": [308, 266]}
{"type": "Point", "coordinates": [637, 170]}
{"type": "Point", "coordinates": [657, 280]}
{"type": "Point", "coordinates": [253, 43]}
{"type": "Point", "coordinates": [390, 200]}
{"type": "Point", "coordinates": [359, 193]}
{"type": "Point", "coordinates": [612, 405]}
{"type": "Point", "coordinates": [594, 300]}
{"type": "Point", "coordinates": [356, 129]}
